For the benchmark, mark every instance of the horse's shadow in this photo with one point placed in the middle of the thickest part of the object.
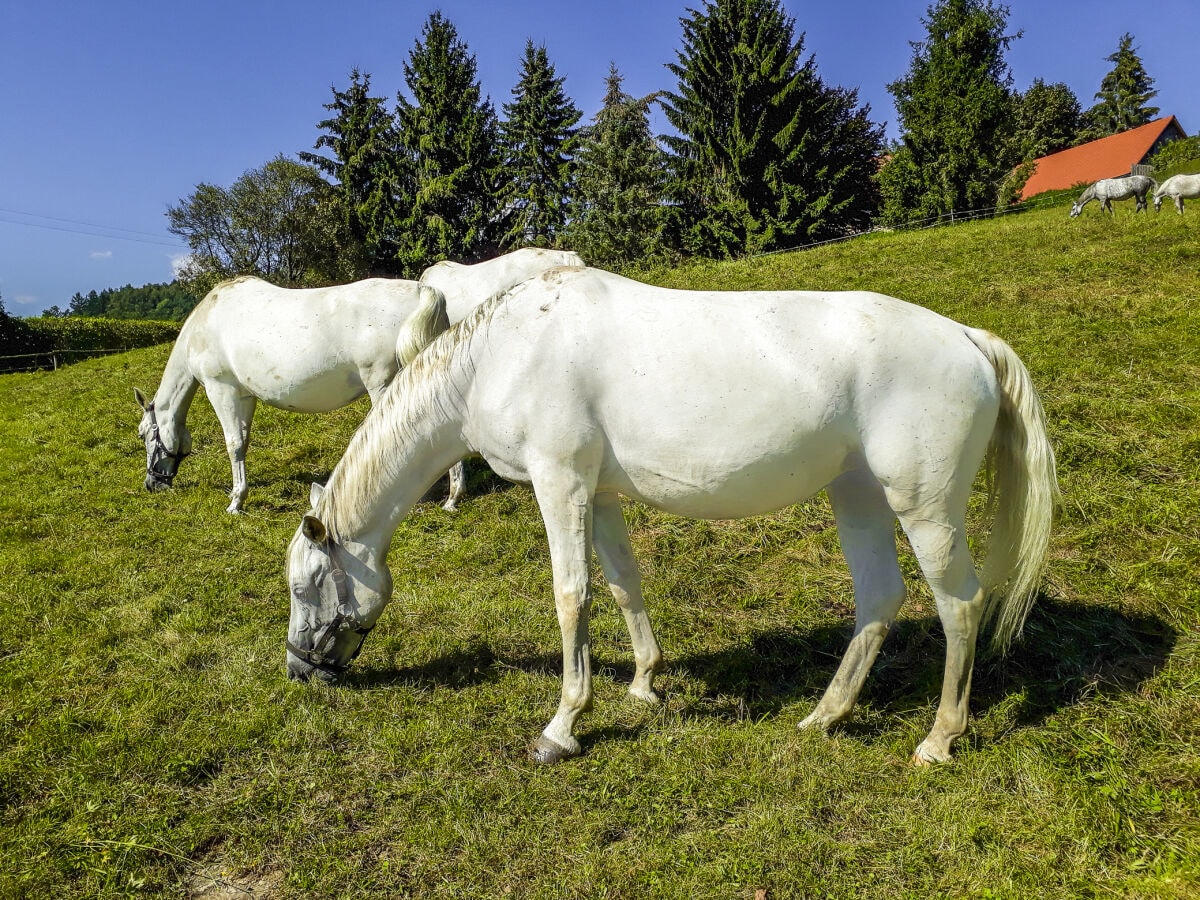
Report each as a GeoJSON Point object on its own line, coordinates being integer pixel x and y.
{"type": "Point", "coordinates": [480, 480]}
{"type": "Point", "coordinates": [1069, 651]}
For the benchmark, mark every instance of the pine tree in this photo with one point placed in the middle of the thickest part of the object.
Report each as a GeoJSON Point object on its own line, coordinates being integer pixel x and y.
{"type": "Point", "coordinates": [766, 154]}
{"type": "Point", "coordinates": [1124, 94]}
{"type": "Point", "coordinates": [448, 155]}
{"type": "Point", "coordinates": [956, 107]}
{"type": "Point", "coordinates": [361, 137]}
{"type": "Point", "coordinates": [538, 140]}
{"type": "Point", "coordinates": [617, 211]}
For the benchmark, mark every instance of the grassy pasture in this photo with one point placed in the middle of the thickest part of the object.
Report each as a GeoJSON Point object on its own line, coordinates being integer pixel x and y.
{"type": "Point", "coordinates": [150, 744]}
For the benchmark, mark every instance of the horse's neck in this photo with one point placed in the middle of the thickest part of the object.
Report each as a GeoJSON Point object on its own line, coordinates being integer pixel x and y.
{"type": "Point", "coordinates": [176, 390]}
{"type": "Point", "coordinates": [385, 473]}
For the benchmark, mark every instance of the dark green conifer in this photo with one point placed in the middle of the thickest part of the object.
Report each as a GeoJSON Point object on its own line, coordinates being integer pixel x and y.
{"type": "Point", "coordinates": [448, 155]}
{"type": "Point", "coordinates": [617, 211]}
{"type": "Point", "coordinates": [765, 155]}
{"type": "Point", "coordinates": [538, 140]}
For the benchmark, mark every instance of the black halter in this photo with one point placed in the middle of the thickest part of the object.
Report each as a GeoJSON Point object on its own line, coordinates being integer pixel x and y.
{"type": "Point", "coordinates": [343, 620]}
{"type": "Point", "coordinates": [159, 452]}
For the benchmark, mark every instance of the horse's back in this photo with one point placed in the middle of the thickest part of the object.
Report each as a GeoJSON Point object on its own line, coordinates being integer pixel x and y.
{"type": "Point", "coordinates": [298, 348]}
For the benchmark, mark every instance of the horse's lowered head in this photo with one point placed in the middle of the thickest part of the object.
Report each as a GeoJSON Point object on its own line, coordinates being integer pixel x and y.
{"type": "Point", "coordinates": [162, 459]}
{"type": "Point", "coordinates": [1085, 198]}
{"type": "Point", "coordinates": [337, 593]}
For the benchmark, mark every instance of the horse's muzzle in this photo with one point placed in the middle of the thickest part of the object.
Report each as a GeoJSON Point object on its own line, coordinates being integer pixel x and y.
{"type": "Point", "coordinates": [298, 670]}
{"type": "Point", "coordinates": [157, 483]}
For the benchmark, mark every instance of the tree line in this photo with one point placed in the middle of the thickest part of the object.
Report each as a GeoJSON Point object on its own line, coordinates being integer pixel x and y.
{"type": "Point", "coordinates": [764, 154]}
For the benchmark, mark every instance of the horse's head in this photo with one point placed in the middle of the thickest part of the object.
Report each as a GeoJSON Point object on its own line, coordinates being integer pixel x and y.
{"type": "Point", "coordinates": [337, 593]}
{"type": "Point", "coordinates": [1076, 209]}
{"type": "Point", "coordinates": [162, 462]}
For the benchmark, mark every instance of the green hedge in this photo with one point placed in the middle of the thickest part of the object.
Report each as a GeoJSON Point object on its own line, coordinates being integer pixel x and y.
{"type": "Point", "coordinates": [45, 342]}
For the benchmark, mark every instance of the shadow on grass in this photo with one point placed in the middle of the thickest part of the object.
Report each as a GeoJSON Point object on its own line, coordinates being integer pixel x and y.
{"type": "Point", "coordinates": [1069, 651]}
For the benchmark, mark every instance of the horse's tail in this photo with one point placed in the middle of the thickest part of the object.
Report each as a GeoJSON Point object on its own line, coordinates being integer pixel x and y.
{"type": "Point", "coordinates": [427, 321]}
{"type": "Point", "coordinates": [1024, 492]}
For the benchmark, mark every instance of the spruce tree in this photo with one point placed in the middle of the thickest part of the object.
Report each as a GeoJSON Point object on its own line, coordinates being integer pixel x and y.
{"type": "Point", "coordinates": [955, 107]}
{"type": "Point", "coordinates": [1124, 94]}
{"type": "Point", "coordinates": [766, 154]}
{"type": "Point", "coordinates": [538, 141]}
{"type": "Point", "coordinates": [361, 138]}
{"type": "Point", "coordinates": [448, 155]}
{"type": "Point", "coordinates": [617, 209]}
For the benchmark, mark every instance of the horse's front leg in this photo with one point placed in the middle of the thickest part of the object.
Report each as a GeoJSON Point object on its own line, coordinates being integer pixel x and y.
{"type": "Point", "coordinates": [235, 412]}
{"type": "Point", "coordinates": [566, 511]}
{"type": "Point", "coordinates": [458, 486]}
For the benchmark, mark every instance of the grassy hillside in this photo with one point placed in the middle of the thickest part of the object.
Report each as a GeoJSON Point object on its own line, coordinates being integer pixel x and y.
{"type": "Point", "coordinates": [152, 746]}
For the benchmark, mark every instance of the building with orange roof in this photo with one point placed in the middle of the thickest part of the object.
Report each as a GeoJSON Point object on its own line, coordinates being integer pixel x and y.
{"type": "Point", "coordinates": [1108, 157]}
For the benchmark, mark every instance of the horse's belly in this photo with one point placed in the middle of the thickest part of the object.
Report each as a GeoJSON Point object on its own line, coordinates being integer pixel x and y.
{"type": "Point", "coordinates": [724, 485]}
{"type": "Point", "coordinates": [306, 391]}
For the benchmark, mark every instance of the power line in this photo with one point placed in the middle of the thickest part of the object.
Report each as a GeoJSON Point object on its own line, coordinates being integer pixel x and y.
{"type": "Point", "coordinates": [72, 226]}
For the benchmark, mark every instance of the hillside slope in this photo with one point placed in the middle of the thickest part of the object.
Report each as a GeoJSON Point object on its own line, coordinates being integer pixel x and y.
{"type": "Point", "coordinates": [151, 744]}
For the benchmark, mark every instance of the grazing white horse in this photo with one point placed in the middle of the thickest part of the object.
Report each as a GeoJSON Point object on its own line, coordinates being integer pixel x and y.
{"type": "Point", "coordinates": [1177, 187]}
{"type": "Point", "coordinates": [707, 404]}
{"type": "Point", "coordinates": [305, 350]}
{"type": "Point", "coordinates": [1108, 189]}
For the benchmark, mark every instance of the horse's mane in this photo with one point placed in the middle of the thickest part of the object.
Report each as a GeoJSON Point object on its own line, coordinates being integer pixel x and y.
{"type": "Point", "coordinates": [426, 393]}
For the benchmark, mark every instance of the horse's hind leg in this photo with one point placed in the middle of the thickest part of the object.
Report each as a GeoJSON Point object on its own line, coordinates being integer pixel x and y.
{"type": "Point", "coordinates": [235, 412]}
{"type": "Point", "coordinates": [866, 530]}
{"type": "Point", "coordinates": [611, 539]}
{"type": "Point", "coordinates": [939, 540]}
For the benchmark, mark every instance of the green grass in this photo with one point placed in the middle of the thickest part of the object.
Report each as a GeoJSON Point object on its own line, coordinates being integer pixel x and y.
{"type": "Point", "coordinates": [151, 745]}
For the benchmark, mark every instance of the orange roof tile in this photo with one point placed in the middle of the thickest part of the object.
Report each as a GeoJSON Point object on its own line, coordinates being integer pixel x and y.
{"type": "Point", "coordinates": [1108, 157]}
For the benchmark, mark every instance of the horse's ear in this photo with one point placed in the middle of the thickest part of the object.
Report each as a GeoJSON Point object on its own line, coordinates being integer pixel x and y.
{"type": "Point", "coordinates": [314, 494]}
{"type": "Point", "coordinates": [140, 398]}
{"type": "Point", "coordinates": [314, 529]}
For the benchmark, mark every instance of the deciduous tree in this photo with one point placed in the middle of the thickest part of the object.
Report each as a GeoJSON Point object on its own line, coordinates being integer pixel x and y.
{"type": "Point", "coordinates": [272, 222]}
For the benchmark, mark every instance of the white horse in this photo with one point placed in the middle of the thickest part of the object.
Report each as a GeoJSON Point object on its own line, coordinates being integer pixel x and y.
{"type": "Point", "coordinates": [308, 350]}
{"type": "Point", "coordinates": [1177, 187]}
{"type": "Point", "coordinates": [707, 404]}
{"type": "Point", "coordinates": [1108, 189]}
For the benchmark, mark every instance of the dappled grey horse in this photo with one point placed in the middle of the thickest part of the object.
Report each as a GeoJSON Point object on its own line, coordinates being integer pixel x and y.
{"type": "Point", "coordinates": [1108, 189]}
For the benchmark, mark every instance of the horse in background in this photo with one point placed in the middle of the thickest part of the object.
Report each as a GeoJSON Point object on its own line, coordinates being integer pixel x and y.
{"type": "Point", "coordinates": [1108, 189]}
{"type": "Point", "coordinates": [1177, 187]}
{"type": "Point", "coordinates": [308, 350]}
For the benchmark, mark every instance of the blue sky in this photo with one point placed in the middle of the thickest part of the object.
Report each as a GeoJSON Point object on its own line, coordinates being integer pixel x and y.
{"type": "Point", "coordinates": [111, 111]}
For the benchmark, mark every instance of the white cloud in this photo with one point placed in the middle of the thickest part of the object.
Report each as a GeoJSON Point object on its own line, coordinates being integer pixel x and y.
{"type": "Point", "coordinates": [102, 254]}
{"type": "Point", "coordinates": [26, 300]}
{"type": "Point", "coordinates": [180, 262]}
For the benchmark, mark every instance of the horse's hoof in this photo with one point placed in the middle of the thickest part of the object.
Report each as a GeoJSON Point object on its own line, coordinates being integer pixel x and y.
{"type": "Point", "coordinates": [546, 752]}
{"type": "Point", "coordinates": [450, 506]}
{"type": "Point", "coordinates": [925, 756]}
{"type": "Point", "coordinates": [646, 695]}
